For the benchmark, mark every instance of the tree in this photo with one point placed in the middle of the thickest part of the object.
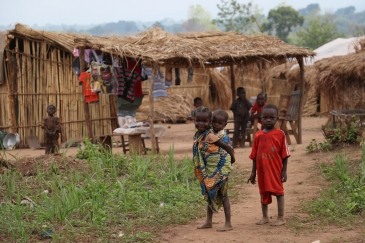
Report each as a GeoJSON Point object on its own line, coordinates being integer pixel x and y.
{"type": "Point", "coordinates": [235, 16]}
{"type": "Point", "coordinates": [320, 30]}
{"type": "Point", "coordinates": [281, 21]}
{"type": "Point", "coordinates": [309, 9]}
{"type": "Point", "coordinates": [199, 20]}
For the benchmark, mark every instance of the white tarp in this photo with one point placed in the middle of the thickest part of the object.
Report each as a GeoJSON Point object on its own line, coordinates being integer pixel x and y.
{"type": "Point", "coordinates": [337, 47]}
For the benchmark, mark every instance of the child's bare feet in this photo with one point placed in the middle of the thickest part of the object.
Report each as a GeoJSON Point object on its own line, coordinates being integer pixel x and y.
{"type": "Point", "coordinates": [226, 227]}
{"type": "Point", "coordinates": [263, 221]}
{"type": "Point", "coordinates": [278, 222]}
{"type": "Point", "coordinates": [205, 226]}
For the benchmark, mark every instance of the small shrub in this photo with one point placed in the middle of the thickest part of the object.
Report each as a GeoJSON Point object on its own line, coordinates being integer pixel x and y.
{"type": "Point", "coordinates": [315, 147]}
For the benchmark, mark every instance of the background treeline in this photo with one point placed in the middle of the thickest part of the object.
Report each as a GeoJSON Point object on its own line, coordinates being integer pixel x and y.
{"type": "Point", "coordinates": [309, 27]}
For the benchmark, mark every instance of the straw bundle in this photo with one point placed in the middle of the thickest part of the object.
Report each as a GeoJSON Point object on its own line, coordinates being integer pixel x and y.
{"type": "Point", "coordinates": [220, 91]}
{"type": "Point", "coordinates": [173, 108]}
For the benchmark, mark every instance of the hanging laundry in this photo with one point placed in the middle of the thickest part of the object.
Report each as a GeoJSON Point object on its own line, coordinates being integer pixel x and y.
{"type": "Point", "coordinates": [95, 77]}
{"type": "Point", "coordinates": [177, 76]}
{"type": "Point", "coordinates": [134, 66]}
{"type": "Point", "coordinates": [126, 82]}
{"type": "Point", "coordinates": [190, 75]}
{"type": "Point", "coordinates": [168, 76]}
{"type": "Point", "coordinates": [159, 88]}
{"type": "Point", "coordinates": [85, 80]}
{"type": "Point", "coordinates": [86, 54]}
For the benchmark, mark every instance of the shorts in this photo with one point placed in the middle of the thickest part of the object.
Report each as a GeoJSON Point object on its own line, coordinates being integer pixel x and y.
{"type": "Point", "coordinates": [266, 197]}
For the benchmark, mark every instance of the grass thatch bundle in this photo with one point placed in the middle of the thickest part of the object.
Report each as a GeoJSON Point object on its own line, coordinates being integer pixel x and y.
{"type": "Point", "coordinates": [173, 108]}
{"type": "Point", "coordinates": [221, 95]}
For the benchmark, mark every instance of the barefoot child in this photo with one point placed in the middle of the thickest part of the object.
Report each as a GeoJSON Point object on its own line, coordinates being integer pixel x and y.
{"type": "Point", "coordinates": [52, 127]}
{"type": "Point", "coordinates": [219, 122]}
{"type": "Point", "coordinates": [270, 154]}
{"type": "Point", "coordinates": [257, 108]}
{"type": "Point", "coordinates": [240, 107]}
{"type": "Point", "coordinates": [212, 166]}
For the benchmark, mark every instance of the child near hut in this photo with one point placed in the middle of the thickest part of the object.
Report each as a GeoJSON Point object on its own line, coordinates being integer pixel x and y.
{"type": "Point", "coordinates": [197, 102]}
{"type": "Point", "coordinates": [219, 122]}
{"type": "Point", "coordinates": [270, 154]}
{"type": "Point", "coordinates": [212, 166]}
{"type": "Point", "coordinates": [52, 128]}
{"type": "Point", "coordinates": [240, 107]}
{"type": "Point", "coordinates": [257, 108]}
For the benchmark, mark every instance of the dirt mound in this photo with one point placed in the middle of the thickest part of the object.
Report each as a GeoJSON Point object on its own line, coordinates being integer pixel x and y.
{"type": "Point", "coordinates": [30, 166]}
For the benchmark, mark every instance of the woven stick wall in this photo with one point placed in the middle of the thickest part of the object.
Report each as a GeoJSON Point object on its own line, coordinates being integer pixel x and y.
{"type": "Point", "coordinates": [44, 76]}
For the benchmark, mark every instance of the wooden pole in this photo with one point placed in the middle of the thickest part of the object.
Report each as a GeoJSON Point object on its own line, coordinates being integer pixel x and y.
{"type": "Point", "coordinates": [259, 65]}
{"type": "Point", "coordinates": [151, 110]}
{"type": "Point", "coordinates": [233, 82]}
{"type": "Point", "coordinates": [113, 112]}
{"type": "Point", "coordinates": [301, 99]}
{"type": "Point", "coordinates": [89, 129]}
{"type": "Point", "coordinates": [11, 88]}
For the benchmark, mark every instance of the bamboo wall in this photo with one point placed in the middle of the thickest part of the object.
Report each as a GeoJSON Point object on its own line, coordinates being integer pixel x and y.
{"type": "Point", "coordinates": [44, 76]}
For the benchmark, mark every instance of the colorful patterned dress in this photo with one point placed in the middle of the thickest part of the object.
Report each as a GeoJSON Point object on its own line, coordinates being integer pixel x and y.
{"type": "Point", "coordinates": [212, 166]}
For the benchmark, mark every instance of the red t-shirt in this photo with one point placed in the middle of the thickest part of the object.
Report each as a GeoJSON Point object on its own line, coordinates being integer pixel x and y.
{"type": "Point", "coordinates": [269, 150]}
{"type": "Point", "coordinates": [256, 109]}
{"type": "Point", "coordinates": [90, 96]}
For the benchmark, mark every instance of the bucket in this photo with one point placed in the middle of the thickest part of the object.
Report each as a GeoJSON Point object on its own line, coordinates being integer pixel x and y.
{"type": "Point", "coordinates": [11, 140]}
{"type": "Point", "coordinates": [2, 136]}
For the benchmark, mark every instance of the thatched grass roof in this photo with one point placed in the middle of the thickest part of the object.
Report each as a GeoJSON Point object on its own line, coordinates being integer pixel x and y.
{"type": "Point", "coordinates": [280, 71]}
{"type": "Point", "coordinates": [165, 49]}
{"type": "Point", "coordinates": [337, 72]}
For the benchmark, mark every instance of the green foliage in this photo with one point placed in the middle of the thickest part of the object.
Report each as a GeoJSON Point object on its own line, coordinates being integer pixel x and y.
{"type": "Point", "coordinates": [281, 21]}
{"type": "Point", "coordinates": [349, 131]}
{"type": "Point", "coordinates": [109, 194]}
{"type": "Point", "coordinates": [319, 30]}
{"type": "Point", "coordinates": [315, 147]}
{"type": "Point", "coordinates": [346, 196]}
{"type": "Point", "coordinates": [199, 20]}
{"type": "Point", "coordinates": [235, 16]}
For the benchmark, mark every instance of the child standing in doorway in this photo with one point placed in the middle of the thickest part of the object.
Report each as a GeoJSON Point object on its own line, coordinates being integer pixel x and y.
{"type": "Point", "coordinates": [270, 154]}
{"type": "Point", "coordinates": [197, 102]}
{"type": "Point", "coordinates": [52, 128]}
{"type": "Point", "coordinates": [212, 166]}
{"type": "Point", "coordinates": [240, 107]}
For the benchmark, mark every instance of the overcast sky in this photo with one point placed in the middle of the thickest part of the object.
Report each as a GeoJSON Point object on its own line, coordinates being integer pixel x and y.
{"type": "Point", "coordinates": [85, 12]}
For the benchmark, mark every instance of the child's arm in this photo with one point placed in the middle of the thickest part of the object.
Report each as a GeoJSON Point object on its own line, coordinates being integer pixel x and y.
{"type": "Point", "coordinates": [252, 178]}
{"type": "Point", "coordinates": [233, 106]}
{"type": "Point", "coordinates": [283, 171]}
{"type": "Point", "coordinates": [227, 148]}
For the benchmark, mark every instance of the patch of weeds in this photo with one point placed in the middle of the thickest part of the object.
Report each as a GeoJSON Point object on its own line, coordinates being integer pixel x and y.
{"type": "Point", "coordinates": [135, 195]}
{"type": "Point", "coordinates": [315, 147]}
{"type": "Point", "coordinates": [344, 201]}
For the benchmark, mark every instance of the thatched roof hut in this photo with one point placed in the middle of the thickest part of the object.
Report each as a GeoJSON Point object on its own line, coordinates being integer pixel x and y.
{"type": "Point", "coordinates": [154, 47]}
{"type": "Point", "coordinates": [341, 80]}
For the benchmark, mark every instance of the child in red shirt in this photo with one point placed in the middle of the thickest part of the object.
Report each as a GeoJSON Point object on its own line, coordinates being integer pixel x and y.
{"type": "Point", "coordinates": [257, 107]}
{"type": "Point", "coordinates": [270, 154]}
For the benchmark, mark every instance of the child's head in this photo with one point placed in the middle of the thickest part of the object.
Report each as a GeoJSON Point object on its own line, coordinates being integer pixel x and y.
{"type": "Point", "coordinates": [219, 120]}
{"type": "Point", "coordinates": [241, 93]}
{"type": "Point", "coordinates": [269, 116]}
{"type": "Point", "coordinates": [203, 117]}
{"type": "Point", "coordinates": [260, 99]}
{"type": "Point", "coordinates": [51, 109]}
{"type": "Point", "coordinates": [198, 102]}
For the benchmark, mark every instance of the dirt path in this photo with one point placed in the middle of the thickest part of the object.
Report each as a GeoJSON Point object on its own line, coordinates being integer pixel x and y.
{"type": "Point", "coordinates": [246, 210]}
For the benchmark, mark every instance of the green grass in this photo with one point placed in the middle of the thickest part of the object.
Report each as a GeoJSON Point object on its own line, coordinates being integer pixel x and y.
{"type": "Point", "coordinates": [110, 195]}
{"type": "Point", "coordinates": [342, 202]}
